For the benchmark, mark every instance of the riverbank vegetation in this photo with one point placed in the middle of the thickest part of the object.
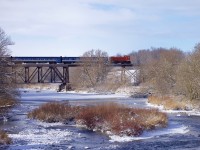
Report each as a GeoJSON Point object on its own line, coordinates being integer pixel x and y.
{"type": "Point", "coordinates": [121, 120]}
{"type": "Point", "coordinates": [109, 117]}
{"type": "Point", "coordinates": [54, 112]}
{"type": "Point", "coordinates": [8, 91]}
{"type": "Point", "coordinates": [4, 138]}
{"type": "Point", "coordinates": [169, 74]}
{"type": "Point", "coordinates": [7, 85]}
{"type": "Point", "coordinates": [91, 72]}
{"type": "Point", "coordinates": [168, 103]}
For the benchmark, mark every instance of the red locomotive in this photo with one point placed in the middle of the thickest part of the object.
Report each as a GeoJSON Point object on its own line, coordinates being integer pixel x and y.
{"type": "Point", "coordinates": [120, 60]}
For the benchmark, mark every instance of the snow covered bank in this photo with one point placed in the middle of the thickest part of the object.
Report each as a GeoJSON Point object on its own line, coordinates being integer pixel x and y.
{"type": "Point", "coordinates": [57, 96]}
{"type": "Point", "coordinates": [40, 135]}
{"type": "Point", "coordinates": [41, 86]}
{"type": "Point", "coordinates": [126, 90]}
{"type": "Point", "coordinates": [170, 130]}
{"type": "Point", "coordinates": [192, 112]}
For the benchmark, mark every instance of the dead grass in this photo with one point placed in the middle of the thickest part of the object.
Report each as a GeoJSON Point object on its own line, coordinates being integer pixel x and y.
{"type": "Point", "coordinates": [112, 117]}
{"type": "Point", "coordinates": [4, 139]}
{"type": "Point", "coordinates": [168, 103]}
{"type": "Point", "coordinates": [54, 112]}
{"type": "Point", "coordinates": [7, 102]}
{"type": "Point", "coordinates": [121, 120]}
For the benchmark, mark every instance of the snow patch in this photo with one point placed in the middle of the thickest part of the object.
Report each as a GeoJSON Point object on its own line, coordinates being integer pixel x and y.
{"type": "Point", "coordinates": [160, 107]}
{"type": "Point", "coordinates": [179, 112]}
{"type": "Point", "coordinates": [193, 113]}
{"type": "Point", "coordinates": [45, 94]}
{"type": "Point", "coordinates": [38, 135]}
{"type": "Point", "coordinates": [46, 125]}
{"type": "Point", "coordinates": [171, 129]}
{"type": "Point", "coordinates": [42, 136]}
{"type": "Point", "coordinates": [116, 138]}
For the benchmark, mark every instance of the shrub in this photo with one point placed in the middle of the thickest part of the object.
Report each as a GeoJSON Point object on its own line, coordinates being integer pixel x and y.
{"type": "Point", "coordinates": [54, 112]}
{"type": "Point", "coordinates": [7, 102]}
{"type": "Point", "coordinates": [4, 139]}
{"type": "Point", "coordinates": [121, 120]}
{"type": "Point", "coordinates": [112, 117]}
{"type": "Point", "coordinates": [168, 103]}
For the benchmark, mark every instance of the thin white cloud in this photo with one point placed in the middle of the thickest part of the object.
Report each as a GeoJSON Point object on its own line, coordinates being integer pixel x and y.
{"type": "Point", "coordinates": [61, 19]}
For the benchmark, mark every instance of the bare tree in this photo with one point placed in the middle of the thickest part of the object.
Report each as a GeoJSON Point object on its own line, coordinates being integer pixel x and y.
{"type": "Point", "coordinates": [7, 87]}
{"type": "Point", "coordinates": [93, 67]}
{"type": "Point", "coordinates": [188, 75]}
{"type": "Point", "coordinates": [160, 69]}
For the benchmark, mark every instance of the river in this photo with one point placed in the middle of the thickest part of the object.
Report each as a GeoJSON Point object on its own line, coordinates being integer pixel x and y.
{"type": "Point", "coordinates": [183, 131]}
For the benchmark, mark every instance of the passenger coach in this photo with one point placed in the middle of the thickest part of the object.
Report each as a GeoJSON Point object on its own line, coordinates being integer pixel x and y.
{"type": "Point", "coordinates": [71, 60]}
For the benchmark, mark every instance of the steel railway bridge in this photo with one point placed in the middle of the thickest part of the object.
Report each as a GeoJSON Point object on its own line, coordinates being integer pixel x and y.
{"type": "Point", "coordinates": [47, 72]}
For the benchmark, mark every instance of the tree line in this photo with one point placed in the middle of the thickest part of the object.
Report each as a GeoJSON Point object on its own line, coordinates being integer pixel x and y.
{"type": "Point", "coordinates": [170, 71]}
{"type": "Point", "coordinates": [8, 91]}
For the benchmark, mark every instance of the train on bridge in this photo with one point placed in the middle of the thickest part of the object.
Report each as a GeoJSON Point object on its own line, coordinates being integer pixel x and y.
{"type": "Point", "coordinates": [71, 60]}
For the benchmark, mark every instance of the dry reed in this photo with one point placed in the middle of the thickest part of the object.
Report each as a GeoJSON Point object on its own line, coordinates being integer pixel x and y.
{"type": "Point", "coordinates": [112, 117]}
{"type": "Point", "coordinates": [168, 103]}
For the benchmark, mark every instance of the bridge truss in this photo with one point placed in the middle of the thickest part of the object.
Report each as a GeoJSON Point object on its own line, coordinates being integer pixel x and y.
{"type": "Point", "coordinates": [55, 73]}
{"type": "Point", "coordinates": [42, 73]}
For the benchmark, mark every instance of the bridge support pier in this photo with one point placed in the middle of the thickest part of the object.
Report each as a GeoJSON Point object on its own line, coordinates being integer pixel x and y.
{"type": "Point", "coordinates": [45, 73]}
{"type": "Point", "coordinates": [26, 79]}
{"type": "Point", "coordinates": [39, 71]}
{"type": "Point", "coordinates": [132, 75]}
{"type": "Point", "coordinates": [59, 73]}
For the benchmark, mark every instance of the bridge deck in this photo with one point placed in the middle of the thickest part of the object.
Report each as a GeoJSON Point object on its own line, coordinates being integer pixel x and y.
{"type": "Point", "coordinates": [64, 65]}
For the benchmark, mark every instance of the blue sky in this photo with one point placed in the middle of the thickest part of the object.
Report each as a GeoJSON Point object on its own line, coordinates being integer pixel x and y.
{"type": "Point", "coordinates": [71, 27]}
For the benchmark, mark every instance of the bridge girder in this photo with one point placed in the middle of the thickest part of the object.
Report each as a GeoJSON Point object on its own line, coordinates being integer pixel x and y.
{"type": "Point", "coordinates": [57, 73]}
{"type": "Point", "coordinates": [42, 74]}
